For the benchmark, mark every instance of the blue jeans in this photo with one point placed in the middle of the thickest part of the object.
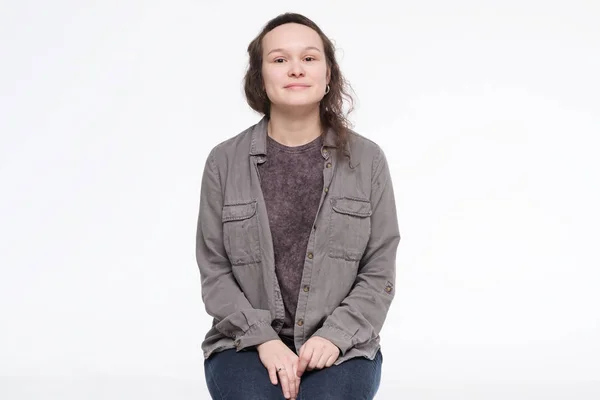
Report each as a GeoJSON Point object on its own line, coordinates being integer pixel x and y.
{"type": "Point", "coordinates": [232, 375]}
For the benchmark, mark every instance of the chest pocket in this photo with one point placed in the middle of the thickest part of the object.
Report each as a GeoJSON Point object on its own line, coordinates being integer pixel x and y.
{"type": "Point", "coordinates": [349, 228]}
{"type": "Point", "coordinates": [240, 233]}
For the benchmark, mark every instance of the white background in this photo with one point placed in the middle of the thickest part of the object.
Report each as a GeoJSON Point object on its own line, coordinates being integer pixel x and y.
{"type": "Point", "coordinates": [489, 114]}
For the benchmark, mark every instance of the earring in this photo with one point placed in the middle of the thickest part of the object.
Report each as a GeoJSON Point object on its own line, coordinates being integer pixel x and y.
{"type": "Point", "coordinates": [327, 89]}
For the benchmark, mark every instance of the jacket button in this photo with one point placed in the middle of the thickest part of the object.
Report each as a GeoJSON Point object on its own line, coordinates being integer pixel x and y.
{"type": "Point", "coordinates": [306, 288]}
{"type": "Point", "coordinates": [328, 165]}
{"type": "Point", "coordinates": [300, 322]}
{"type": "Point", "coordinates": [326, 189]}
{"type": "Point", "coordinates": [310, 255]}
{"type": "Point", "coordinates": [237, 342]}
{"type": "Point", "coordinates": [388, 289]}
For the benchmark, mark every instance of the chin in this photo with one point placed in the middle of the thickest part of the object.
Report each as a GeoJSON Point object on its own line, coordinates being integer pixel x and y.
{"type": "Point", "coordinates": [298, 102]}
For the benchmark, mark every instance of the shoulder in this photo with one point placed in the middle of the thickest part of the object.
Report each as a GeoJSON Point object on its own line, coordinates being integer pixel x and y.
{"type": "Point", "coordinates": [232, 148]}
{"type": "Point", "coordinates": [364, 151]}
{"type": "Point", "coordinates": [235, 142]}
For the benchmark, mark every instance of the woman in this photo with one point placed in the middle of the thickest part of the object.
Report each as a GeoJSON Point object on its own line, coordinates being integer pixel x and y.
{"type": "Point", "coordinates": [297, 234]}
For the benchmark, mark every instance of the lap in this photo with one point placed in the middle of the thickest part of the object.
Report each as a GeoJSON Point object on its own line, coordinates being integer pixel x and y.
{"type": "Point", "coordinates": [241, 375]}
{"type": "Point", "coordinates": [354, 379]}
{"type": "Point", "coordinates": [232, 375]}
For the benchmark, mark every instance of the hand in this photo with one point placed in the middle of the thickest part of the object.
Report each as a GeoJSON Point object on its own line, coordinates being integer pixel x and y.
{"type": "Point", "coordinates": [280, 361]}
{"type": "Point", "coordinates": [316, 353]}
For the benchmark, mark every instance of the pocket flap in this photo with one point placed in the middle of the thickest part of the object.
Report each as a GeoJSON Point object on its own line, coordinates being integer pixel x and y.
{"type": "Point", "coordinates": [236, 212]}
{"type": "Point", "coordinates": [356, 207]}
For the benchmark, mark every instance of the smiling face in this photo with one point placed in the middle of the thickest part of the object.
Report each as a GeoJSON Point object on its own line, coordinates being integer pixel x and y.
{"type": "Point", "coordinates": [294, 67]}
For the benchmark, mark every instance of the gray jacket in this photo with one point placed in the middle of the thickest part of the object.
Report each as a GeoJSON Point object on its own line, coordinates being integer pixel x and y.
{"type": "Point", "coordinates": [350, 268]}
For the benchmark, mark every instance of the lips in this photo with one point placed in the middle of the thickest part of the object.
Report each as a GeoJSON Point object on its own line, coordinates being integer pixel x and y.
{"type": "Point", "coordinates": [296, 85]}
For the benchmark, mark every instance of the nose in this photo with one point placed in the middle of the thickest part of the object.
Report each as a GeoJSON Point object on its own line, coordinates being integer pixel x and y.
{"type": "Point", "coordinates": [296, 70]}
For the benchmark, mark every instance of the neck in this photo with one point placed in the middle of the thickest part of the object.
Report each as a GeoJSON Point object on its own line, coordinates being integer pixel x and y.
{"type": "Point", "coordinates": [294, 129]}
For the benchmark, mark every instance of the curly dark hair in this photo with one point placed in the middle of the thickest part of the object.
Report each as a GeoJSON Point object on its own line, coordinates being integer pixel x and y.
{"type": "Point", "coordinates": [331, 106]}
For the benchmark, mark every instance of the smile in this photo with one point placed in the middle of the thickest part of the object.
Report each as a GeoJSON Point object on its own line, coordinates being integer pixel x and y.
{"type": "Point", "coordinates": [297, 87]}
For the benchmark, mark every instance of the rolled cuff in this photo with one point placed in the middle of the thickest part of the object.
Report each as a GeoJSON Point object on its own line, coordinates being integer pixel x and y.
{"type": "Point", "coordinates": [256, 334]}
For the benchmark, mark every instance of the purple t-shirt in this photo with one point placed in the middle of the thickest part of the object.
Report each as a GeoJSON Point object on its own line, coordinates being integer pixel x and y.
{"type": "Point", "coordinates": [292, 183]}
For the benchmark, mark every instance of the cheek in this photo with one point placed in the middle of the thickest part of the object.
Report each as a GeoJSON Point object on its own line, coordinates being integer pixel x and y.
{"type": "Point", "coordinates": [273, 83]}
{"type": "Point", "coordinates": [270, 74]}
{"type": "Point", "coordinates": [323, 75]}
{"type": "Point", "coordinates": [274, 78]}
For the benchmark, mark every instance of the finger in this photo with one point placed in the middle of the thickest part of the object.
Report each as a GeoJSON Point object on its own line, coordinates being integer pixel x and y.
{"type": "Point", "coordinates": [322, 360]}
{"type": "Point", "coordinates": [314, 360]}
{"type": "Point", "coordinates": [295, 368]}
{"type": "Point", "coordinates": [331, 360]}
{"type": "Point", "coordinates": [289, 369]}
{"type": "Point", "coordinates": [289, 372]}
{"type": "Point", "coordinates": [296, 377]}
{"type": "Point", "coordinates": [285, 385]}
{"type": "Point", "coordinates": [304, 360]}
{"type": "Point", "coordinates": [273, 375]}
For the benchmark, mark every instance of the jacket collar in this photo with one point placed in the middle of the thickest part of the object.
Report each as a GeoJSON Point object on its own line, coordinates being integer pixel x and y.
{"type": "Point", "coordinates": [258, 144]}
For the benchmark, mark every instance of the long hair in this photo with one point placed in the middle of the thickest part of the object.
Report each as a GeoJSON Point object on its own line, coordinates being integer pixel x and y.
{"type": "Point", "coordinates": [331, 106]}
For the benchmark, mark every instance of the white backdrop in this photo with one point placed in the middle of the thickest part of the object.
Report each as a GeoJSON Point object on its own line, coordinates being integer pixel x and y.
{"type": "Point", "coordinates": [489, 114]}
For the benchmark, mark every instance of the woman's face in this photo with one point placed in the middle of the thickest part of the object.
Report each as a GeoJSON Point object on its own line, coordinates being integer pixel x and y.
{"type": "Point", "coordinates": [294, 67]}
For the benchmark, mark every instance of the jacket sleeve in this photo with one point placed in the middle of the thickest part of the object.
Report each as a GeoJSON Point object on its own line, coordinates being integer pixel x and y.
{"type": "Point", "coordinates": [360, 316]}
{"type": "Point", "coordinates": [223, 298]}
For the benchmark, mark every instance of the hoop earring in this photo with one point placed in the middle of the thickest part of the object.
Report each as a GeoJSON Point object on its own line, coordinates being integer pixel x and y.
{"type": "Point", "coordinates": [327, 89]}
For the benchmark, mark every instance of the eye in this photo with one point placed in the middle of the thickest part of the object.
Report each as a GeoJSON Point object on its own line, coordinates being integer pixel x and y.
{"type": "Point", "coordinates": [309, 58]}
{"type": "Point", "coordinates": [277, 60]}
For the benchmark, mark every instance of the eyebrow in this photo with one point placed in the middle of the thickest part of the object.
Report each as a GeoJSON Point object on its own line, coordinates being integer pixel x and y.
{"type": "Point", "coordinates": [283, 50]}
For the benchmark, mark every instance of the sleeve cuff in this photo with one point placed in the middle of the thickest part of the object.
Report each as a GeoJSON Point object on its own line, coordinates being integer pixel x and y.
{"type": "Point", "coordinates": [258, 333]}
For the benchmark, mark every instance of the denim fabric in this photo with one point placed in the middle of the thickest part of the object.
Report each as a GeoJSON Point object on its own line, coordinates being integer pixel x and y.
{"type": "Point", "coordinates": [232, 375]}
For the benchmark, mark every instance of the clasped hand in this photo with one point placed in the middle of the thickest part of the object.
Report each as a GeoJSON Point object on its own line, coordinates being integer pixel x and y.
{"type": "Point", "coordinates": [280, 361]}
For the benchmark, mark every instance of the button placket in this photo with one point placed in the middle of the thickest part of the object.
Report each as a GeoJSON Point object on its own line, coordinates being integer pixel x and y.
{"type": "Point", "coordinates": [327, 177]}
{"type": "Point", "coordinates": [328, 171]}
